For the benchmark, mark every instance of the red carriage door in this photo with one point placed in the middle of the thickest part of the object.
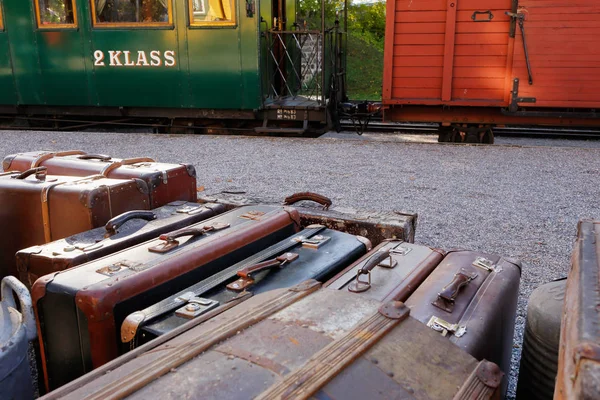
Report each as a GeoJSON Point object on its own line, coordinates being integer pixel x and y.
{"type": "Point", "coordinates": [477, 52]}
{"type": "Point", "coordinates": [448, 52]}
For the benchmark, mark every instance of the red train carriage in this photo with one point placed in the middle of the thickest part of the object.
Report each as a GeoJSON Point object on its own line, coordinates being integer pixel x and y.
{"type": "Point", "coordinates": [474, 64]}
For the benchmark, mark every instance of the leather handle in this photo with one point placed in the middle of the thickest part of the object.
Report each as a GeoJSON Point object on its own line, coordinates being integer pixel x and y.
{"type": "Point", "coordinates": [129, 161]}
{"type": "Point", "coordinates": [310, 196]}
{"type": "Point", "coordinates": [374, 261]}
{"type": "Point", "coordinates": [11, 285]}
{"type": "Point", "coordinates": [276, 262]}
{"type": "Point", "coordinates": [69, 153]}
{"type": "Point", "coordinates": [114, 224]}
{"type": "Point", "coordinates": [100, 157]}
{"type": "Point", "coordinates": [169, 237]}
{"type": "Point", "coordinates": [40, 173]}
{"type": "Point", "coordinates": [450, 291]}
{"type": "Point", "coordinates": [248, 271]}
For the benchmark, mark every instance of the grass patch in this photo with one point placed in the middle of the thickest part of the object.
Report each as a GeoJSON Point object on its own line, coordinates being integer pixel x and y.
{"type": "Point", "coordinates": [365, 68]}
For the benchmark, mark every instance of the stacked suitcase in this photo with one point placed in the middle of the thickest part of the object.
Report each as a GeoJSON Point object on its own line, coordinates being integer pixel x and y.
{"type": "Point", "coordinates": [129, 292]}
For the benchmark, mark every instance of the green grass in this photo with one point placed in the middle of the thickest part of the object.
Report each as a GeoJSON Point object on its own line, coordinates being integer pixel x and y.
{"type": "Point", "coordinates": [365, 68]}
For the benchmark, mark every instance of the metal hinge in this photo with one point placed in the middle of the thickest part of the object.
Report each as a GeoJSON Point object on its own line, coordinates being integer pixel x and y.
{"type": "Point", "coordinates": [445, 327]}
{"type": "Point", "coordinates": [514, 104]}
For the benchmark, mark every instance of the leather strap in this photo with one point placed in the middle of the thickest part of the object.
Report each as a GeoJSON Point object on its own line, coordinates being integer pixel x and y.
{"type": "Point", "coordinates": [482, 384]}
{"type": "Point", "coordinates": [130, 383]}
{"type": "Point", "coordinates": [333, 359]}
{"type": "Point", "coordinates": [36, 163]}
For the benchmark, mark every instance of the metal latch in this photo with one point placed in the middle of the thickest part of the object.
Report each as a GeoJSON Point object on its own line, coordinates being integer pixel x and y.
{"type": "Point", "coordinates": [484, 263]}
{"type": "Point", "coordinates": [118, 267]}
{"type": "Point", "coordinates": [190, 210]}
{"type": "Point", "coordinates": [253, 215]}
{"type": "Point", "coordinates": [400, 250]}
{"type": "Point", "coordinates": [196, 306]}
{"type": "Point", "coordinates": [315, 242]}
{"type": "Point", "coordinates": [445, 327]}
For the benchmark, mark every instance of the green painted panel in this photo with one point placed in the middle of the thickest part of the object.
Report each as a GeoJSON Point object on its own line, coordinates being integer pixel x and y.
{"type": "Point", "coordinates": [250, 53]}
{"type": "Point", "coordinates": [137, 67]}
{"type": "Point", "coordinates": [18, 24]}
{"type": "Point", "coordinates": [64, 78]}
{"type": "Point", "coordinates": [8, 94]}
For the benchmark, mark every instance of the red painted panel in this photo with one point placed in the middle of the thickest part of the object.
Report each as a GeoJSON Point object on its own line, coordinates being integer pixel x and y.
{"type": "Point", "coordinates": [428, 83]}
{"type": "Point", "coordinates": [479, 83]}
{"type": "Point", "coordinates": [419, 61]}
{"type": "Point", "coordinates": [499, 15]}
{"type": "Point", "coordinates": [478, 93]}
{"type": "Point", "coordinates": [480, 61]}
{"type": "Point", "coordinates": [422, 27]}
{"type": "Point", "coordinates": [480, 50]}
{"type": "Point", "coordinates": [557, 3]}
{"type": "Point", "coordinates": [593, 61]}
{"type": "Point", "coordinates": [419, 39]}
{"type": "Point", "coordinates": [416, 5]}
{"type": "Point", "coordinates": [482, 27]}
{"type": "Point", "coordinates": [483, 5]}
{"type": "Point", "coordinates": [489, 39]}
{"type": "Point", "coordinates": [479, 72]}
{"type": "Point", "coordinates": [539, 21]}
{"type": "Point", "coordinates": [418, 50]}
{"type": "Point", "coordinates": [415, 93]}
{"type": "Point", "coordinates": [419, 16]}
{"type": "Point", "coordinates": [591, 10]}
{"type": "Point", "coordinates": [420, 72]}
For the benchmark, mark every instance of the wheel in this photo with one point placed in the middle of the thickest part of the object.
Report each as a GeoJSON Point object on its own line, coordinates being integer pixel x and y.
{"type": "Point", "coordinates": [488, 136]}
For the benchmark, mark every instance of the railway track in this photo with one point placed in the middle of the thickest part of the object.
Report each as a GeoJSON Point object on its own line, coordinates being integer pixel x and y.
{"type": "Point", "coordinates": [513, 131]}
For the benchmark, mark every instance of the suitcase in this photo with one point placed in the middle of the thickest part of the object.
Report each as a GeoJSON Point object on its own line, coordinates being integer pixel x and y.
{"type": "Point", "coordinates": [41, 208]}
{"type": "Point", "coordinates": [471, 298]}
{"type": "Point", "coordinates": [167, 182]}
{"type": "Point", "coordinates": [79, 311]}
{"type": "Point", "coordinates": [579, 350]}
{"type": "Point", "coordinates": [315, 253]}
{"type": "Point", "coordinates": [391, 271]}
{"type": "Point", "coordinates": [125, 230]}
{"type": "Point", "coordinates": [294, 344]}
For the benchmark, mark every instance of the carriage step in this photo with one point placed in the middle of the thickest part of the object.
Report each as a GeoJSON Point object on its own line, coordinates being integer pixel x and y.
{"type": "Point", "coordinates": [273, 129]}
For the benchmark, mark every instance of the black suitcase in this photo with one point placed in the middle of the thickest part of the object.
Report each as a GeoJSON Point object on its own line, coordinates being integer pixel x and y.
{"type": "Point", "coordinates": [125, 230]}
{"type": "Point", "coordinates": [315, 253]}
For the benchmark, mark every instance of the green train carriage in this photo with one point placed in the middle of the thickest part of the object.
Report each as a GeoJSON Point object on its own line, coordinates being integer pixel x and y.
{"type": "Point", "coordinates": [184, 60]}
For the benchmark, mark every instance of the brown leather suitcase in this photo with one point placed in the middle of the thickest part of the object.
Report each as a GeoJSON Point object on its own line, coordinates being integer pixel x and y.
{"type": "Point", "coordinates": [124, 230]}
{"type": "Point", "coordinates": [471, 298]}
{"type": "Point", "coordinates": [579, 351]}
{"type": "Point", "coordinates": [167, 182]}
{"type": "Point", "coordinates": [296, 343]}
{"type": "Point", "coordinates": [391, 271]}
{"type": "Point", "coordinates": [41, 208]}
{"type": "Point", "coordinates": [80, 311]}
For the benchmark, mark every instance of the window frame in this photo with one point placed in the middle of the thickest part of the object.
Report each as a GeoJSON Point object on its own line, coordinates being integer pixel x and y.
{"type": "Point", "coordinates": [38, 17]}
{"type": "Point", "coordinates": [136, 25]}
{"type": "Point", "coordinates": [212, 24]}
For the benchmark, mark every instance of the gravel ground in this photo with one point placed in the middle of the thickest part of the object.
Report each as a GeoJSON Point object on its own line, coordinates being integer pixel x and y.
{"type": "Point", "coordinates": [522, 198]}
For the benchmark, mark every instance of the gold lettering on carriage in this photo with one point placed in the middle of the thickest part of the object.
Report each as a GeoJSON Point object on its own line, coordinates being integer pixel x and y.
{"type": "Point", "coordinates": [127, 58]}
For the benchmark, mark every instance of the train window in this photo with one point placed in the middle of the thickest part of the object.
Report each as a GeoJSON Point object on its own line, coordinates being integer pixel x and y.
{"type": "Point", "coordinates": [132, 13]}
{"type": "Point", "coordinates": [56, 14]}
{"type": "Point", "coordinates": [212, 12]}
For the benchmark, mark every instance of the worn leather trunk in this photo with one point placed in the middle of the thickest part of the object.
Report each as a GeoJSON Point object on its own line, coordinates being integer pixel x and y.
{"type": "Point", "coordinates": [296, 343]}
{"type": "Point", "coordinates": [125, 230]}
{"type": "Point", "coordinates": [80, 311]}
{"type": "Point", "coordinates": [40, 208]}
{"type": "Point", "coordinates": [315, 253]}
{"type": "Point", "coordinates": [579, 352]}
{"type": "Point", "coordinates": [391, 271]}
{"type": "Point", "coordinates": [471, 298]}
{"type": "Point", "coordinates": [167, 182]}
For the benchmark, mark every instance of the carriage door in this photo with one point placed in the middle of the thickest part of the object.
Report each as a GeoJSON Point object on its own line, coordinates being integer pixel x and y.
{"type": "Point", "coordinates": [59, 38]}
{"type": "Point", "coordinates": [7, 83]}
{"type": "Point", "coordinates": [477, 51]}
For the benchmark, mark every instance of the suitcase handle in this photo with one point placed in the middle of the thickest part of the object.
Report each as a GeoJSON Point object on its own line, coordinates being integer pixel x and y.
{"type": "Point", "coordinates": [100, 157]}
{"type": "Point", "coordinates": [276, 262]}
{"type": "Point", "coordinates": [374, 261]}
{"type": "Point", "coordinates": [40, 173]}
{"type": "Point", "coordinates": [129, 161]}
{"type": "Point", "coordinates": [11, 285]}
{"type": "Point", "coordinates": [171, 243]}
{"type": "Point", "coordinates": [317, 198]}
{"type": "Point", "coordinates": [450, 291]}
{"type": "Point", "coordinates": [114, 224]}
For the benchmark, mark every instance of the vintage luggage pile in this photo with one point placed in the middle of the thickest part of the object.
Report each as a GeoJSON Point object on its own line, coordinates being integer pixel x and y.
{"type": "Point", "coordinates": [138, 290]}
{"type": "Point", "coordinates": [579, 351]}
{"type": "Point", "coordinates": [55, 195]}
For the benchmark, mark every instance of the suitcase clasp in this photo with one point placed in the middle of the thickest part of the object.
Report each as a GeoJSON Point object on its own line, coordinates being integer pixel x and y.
{"type": "Point", "coordinates": [196, 306]}
{"type": "Point", "coordinates": [484, 263]}
{"type": "Point", "coordinates": [445, 327]}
